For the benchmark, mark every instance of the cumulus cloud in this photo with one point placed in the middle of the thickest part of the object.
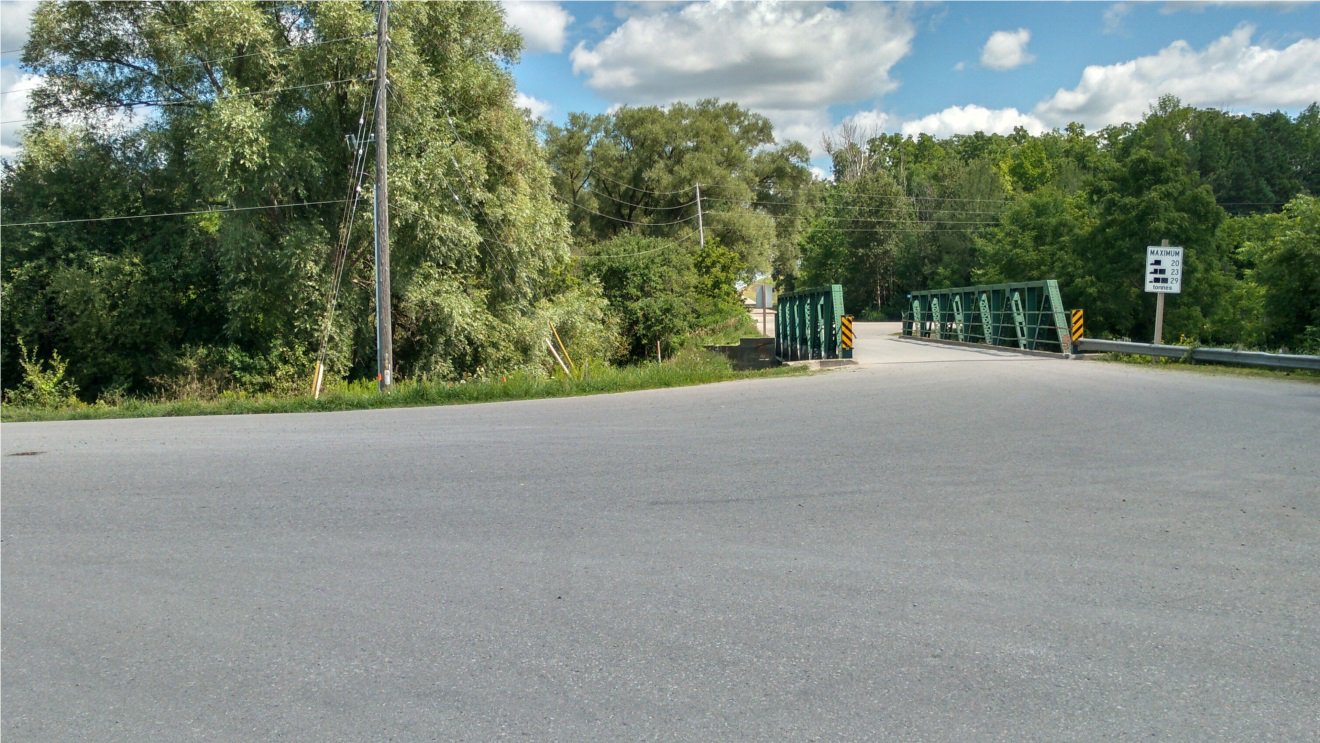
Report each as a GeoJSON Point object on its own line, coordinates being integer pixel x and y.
{"type": "Point", "coordinates": [1006, 50]}
{"type": "Point", "coordinates": [538, 107]}
{"type": "Point", "coordinates": [787, 61]}
{"type": "Point", "coordinates": [543, 25]}
{"type": "Point", "coordinates": [1199, 6]}
{"type": "Point", "coordinates": [1230, 72]}
{"type": "Point", "coordinates": [629, 9]}
{"type": "Point", "coordinates": [13, 106]}
{"type": "Point", "coordinates": [971, 119]}
{"type": "Point", "coordinates": [1114, 16]}
{"type": "Point", "coordinates": [869, 121]}
{"type": "Point", "coordinates": [15, 20]}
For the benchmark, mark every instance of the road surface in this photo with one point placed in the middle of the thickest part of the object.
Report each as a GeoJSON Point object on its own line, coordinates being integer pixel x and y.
{"type": "Point", "coordinates": [937, 545]}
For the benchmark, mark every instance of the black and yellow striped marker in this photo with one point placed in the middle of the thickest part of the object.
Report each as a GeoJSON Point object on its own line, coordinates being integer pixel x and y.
{"type": "Point", "coordinates": [846, 332]}
{"type": "Point", "coordinates": [1077, 325]}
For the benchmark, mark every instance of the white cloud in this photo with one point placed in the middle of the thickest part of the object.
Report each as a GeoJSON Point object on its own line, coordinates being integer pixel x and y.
{"type": "Point", "coordinates": [538, 107]}
{"type": "Point", "coordinates": [971, 119]}
{"type": "Point", "coordinates": [15, 20]}
{"type": "Point", "coordinates": [805, 126]}
{"type": "Point", "coordinates": [543, 25]}
{"type": "Point", "coordinates": [1115, 15]}
{"type": "Point", "coordinates": [626, 9]}
{"type": "Point", "coordinates": [1199, 6]}
{"type": "Point", "coordinates": [13, 106]}
{"type": "Point", "coordinates": [1006, 50]}
{"type": "Point", "coordinates": [1230, 72]}
{"type": "Point", "coordinates": [868, 121]}
{"type": "Point", "coordinates": [767, 55]}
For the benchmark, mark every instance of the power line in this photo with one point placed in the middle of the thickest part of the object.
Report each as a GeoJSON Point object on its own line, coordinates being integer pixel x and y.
{"type": "Point", "coordinates": [592, 171]}
{"type": "Point", "coordinates": [356, 173]}
{"type": "Point", "coordinates": [165, 102]}
{"type": "Point", "coordinates": [174, 27]}
{"type": "Point", "coordinates": [888, 225]}
{"type": "Point", "coordinates": [643, 206]}
{"type": "Point", "coordinates": [873, 220]}
{"type": "Point", "coordinates": [157, 72]}
{"type": "Point", "coordinates": [826, 207]}
{"type": "Point", "coordinates": [607, 256]}
{"type": "Point", "coordinates": [557, 197]}
{"type": "Point", "coordinates": [173, 214]}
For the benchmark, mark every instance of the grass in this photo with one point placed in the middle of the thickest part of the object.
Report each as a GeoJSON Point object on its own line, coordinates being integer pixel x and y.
{"type": "Point", "coordinates": [1201, 367]}
{"type": "Point", "coordinates": [728, 332]}
{"type": "Point", "coordinates": [691, 367]}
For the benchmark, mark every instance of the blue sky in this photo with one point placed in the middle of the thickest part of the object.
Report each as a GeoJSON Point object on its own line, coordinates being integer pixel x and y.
{"type": "Point", "coordinates": [939, 68]}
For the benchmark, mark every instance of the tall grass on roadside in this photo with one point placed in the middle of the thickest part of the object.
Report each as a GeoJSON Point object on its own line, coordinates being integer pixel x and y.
{"type": "Point", "coordinates": [689, 367]}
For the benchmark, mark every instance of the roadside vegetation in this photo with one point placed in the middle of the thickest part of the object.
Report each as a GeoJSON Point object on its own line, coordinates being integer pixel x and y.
{"type": "Point", "coordinates": [689, 367]}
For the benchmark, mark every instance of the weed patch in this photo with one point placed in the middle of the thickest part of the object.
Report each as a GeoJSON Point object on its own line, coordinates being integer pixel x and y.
{"type": "Point", "coordinates": [688, 367]}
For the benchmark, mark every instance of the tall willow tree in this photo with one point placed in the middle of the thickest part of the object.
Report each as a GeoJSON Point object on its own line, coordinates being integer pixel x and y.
{"type": "Point", "coordinates": [635, 170]}
{"type": "Point", "coordinates": [243, 108]}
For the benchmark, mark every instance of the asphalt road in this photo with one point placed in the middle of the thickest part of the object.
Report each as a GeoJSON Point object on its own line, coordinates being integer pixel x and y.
{"type": "Point", "coordinates": [938, 545]}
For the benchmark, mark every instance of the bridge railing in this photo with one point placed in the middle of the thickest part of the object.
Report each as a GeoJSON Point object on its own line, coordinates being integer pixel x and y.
{"type": "Point", "coordinates": [1027, 315]}
{"type": "Point", "coordinates": [807, 324]}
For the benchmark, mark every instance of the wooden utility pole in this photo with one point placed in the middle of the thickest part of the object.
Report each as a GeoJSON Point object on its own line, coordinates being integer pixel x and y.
{"type": "Point", "coordinates": [384, 318]}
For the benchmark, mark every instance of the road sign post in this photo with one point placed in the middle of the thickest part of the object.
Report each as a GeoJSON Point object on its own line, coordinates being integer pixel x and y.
{"type": "Point", "coordinates": [765, 299]}
{"type": "Point", "coordinates": [1163, 276]}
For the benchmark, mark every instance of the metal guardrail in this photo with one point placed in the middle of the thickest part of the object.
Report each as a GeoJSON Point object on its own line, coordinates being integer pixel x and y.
{"type": "Point", "coordinates": [807, 324]}
{"type": "Point", "coordinates": [1214, 355]}
{"type": "Point", "coordinates": [1028, 316]}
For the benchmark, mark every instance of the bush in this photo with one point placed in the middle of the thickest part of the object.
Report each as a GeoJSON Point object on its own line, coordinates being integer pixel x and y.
{"type": "Point", "coordinates": [41, 388]}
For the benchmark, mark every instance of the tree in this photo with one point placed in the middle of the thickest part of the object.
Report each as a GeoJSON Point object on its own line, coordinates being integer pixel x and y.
{"type": "Point", "coordinates": [1289, 273]}
{"type": "Point", "coordinates": [857, 239]}
{"type": "Point", "coordinates": [250, 106]}
{"type": "Point", "coordinates": [1037, 239]}
{"type": "Point", "coordinates": [638, 168]}
{"type": "Point", "coordinates": [1142, 199]}
{"type": "Point", "coordinates": [660, 290]}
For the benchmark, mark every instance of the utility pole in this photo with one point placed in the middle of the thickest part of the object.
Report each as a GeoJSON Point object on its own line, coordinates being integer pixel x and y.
{"type": "Point", "coordinates": [381, 215]}
{"type": "Point", "coordinates": [701, 230]}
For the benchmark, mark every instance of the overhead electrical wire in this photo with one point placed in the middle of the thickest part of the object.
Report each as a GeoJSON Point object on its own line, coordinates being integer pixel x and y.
{"type": "Point", "coordinates": [174, 27]}
{"type": "Point", "coordinates": [173, 214]}
{"type": "Point", "coordinates": [643, 206]}
{"type": "Point", "coordinates": [557, 197]}
{"type": "Point", "coordinates": [167, 102]}
{"type": "Point", "coordinates": [826, 207]}
{"type": "Point", "coordinates": [356, 173]}
{"type": "Point", "coordinates": [607, 256]}
{"type": "Point", "coordinates": [201, 62]}
{"type": "Point", "coordinates": [592, 171]}
{"type": "Point", "coordinates": [875, 220]}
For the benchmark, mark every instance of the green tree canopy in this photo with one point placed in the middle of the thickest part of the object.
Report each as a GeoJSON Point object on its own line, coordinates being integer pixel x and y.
{"type": "Point", "coordinates": [248, 106]}
{"type": "Point", "coordinates": [638, 169]}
